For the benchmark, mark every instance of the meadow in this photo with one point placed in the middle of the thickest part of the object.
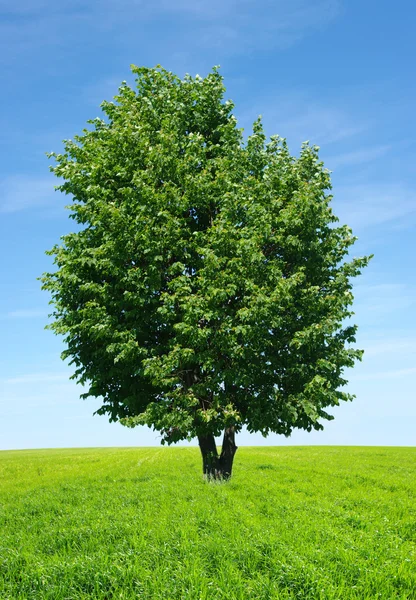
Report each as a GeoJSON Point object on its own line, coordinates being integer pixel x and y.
{"type": "Point", "coordinates": [122, 523]}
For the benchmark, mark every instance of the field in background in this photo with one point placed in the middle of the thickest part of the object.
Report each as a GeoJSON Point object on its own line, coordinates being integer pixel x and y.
{"type": "Point", "coordinates": [124, 523]}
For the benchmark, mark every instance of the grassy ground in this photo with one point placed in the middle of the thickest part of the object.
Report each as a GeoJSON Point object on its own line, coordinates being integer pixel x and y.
{"type": "Point", "coordinates": [297, 522]}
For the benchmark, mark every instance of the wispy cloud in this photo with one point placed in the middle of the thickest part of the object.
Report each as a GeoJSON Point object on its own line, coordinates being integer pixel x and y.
{"type": "Point", "coordinates": [369, 205]}
{"type": "Point", "coordinates": [322, 125]}
{"type": "Point", "coordinates": [390, 346]}
{"type": "Point", "coordinates": [242, 26]}
{"type": "Point", "coordinates": [396, 373]}
{"type": "Point", "coordinates": [28, 8]}
{"type": "Point", "coordinates": [381, 299]}
{"type": "Point", "coordinates": [29, 313]}
{"type": "Point", "coordinates": [37, 378]}
{"type": "Point", "coordinates": [298, 117]}
{"type": "Point", "coordinates": [357, 157]}
{"type": "Point", "coordinates": [105, 89]}
{"type": "Point", "coordinates": [205, 25]}
{"type": "Point", "coordinates": [21, 192]}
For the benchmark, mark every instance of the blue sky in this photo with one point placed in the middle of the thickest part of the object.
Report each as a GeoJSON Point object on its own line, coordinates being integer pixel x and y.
{"type": "Point", "coordinates": [340, 74]}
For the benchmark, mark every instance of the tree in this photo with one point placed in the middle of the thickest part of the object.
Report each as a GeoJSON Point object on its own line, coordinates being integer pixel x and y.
{"type": "Point", "coordinates": [207, 286]}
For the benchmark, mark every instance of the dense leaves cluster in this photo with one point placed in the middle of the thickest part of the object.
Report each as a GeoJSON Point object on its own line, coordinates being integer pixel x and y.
{"type": "Point", "coordinates": [207, 285]}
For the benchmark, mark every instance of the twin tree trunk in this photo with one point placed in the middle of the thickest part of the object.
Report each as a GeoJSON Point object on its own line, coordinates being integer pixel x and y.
{"type": "Point", "coordinates": [218, 466]}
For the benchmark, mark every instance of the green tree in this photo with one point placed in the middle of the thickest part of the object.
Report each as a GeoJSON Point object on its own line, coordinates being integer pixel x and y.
{"type": "Point", "coordinates": [206, 287]}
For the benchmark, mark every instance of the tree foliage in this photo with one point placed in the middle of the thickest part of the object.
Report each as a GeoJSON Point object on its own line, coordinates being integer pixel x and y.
{"type": "Point", "coordinates": [208, 283]}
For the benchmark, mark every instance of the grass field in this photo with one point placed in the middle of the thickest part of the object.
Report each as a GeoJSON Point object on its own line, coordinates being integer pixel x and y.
{"type": "Point", "coordinates": [294, 522]}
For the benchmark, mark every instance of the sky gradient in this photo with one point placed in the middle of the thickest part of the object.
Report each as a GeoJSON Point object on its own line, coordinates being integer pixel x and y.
{"type": "Point", "coordinates": [340, 74]}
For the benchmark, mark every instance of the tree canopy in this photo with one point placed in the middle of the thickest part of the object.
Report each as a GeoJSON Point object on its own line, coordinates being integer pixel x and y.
{"type": "Point", "coordinates": [208, 285]}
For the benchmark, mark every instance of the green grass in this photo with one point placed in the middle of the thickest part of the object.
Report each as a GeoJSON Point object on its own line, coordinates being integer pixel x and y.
{"type": "Point", "coordinates": [294, 522]}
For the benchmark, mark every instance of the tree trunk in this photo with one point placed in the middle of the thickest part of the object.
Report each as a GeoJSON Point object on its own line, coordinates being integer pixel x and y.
{"type": "Point", "coordinates": [214, 466]}
{"type": "Point", "coordinates": [209, 456]}
{"type": "Point", "coordinates": [227, 454]}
